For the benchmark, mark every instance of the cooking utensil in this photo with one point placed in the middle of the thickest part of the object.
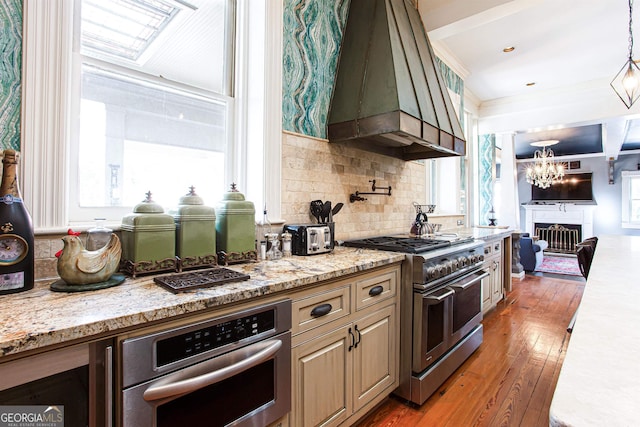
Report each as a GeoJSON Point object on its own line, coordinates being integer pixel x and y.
{"type": "Point", "coordinates": [337, 208]}
{"type": "Point", "coordinates": [316, 207]}
{"type": "Point", "coordinates": [326, 211]}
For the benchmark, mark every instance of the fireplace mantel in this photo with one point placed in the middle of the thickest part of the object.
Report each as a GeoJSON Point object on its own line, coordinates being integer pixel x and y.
{"type": "Point", "coordinates": [560, 213]}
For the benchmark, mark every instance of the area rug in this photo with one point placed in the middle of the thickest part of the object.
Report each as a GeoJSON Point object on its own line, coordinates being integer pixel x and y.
{"type": "Point", "coordinates": [560, 265]}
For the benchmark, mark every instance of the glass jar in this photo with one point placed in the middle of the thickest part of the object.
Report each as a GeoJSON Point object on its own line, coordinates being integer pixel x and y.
{"type": "Point", "coordinates": [273, 245]}
{"type": "Point", "coordinates": [98, 236]}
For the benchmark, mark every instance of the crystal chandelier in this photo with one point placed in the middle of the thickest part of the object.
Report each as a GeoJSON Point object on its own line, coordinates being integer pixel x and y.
{"type": "Point", "coordinates": [626, 83]}
{"type": "Point", "coordinates": [545, 171]}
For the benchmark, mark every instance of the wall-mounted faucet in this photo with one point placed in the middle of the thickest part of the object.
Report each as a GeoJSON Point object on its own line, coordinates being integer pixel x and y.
{"type": "Point", "coordinates": [356, 197]}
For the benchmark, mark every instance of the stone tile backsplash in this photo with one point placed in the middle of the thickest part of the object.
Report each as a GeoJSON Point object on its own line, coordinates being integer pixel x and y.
{"type": "Point", "coordinates": [314, 169]}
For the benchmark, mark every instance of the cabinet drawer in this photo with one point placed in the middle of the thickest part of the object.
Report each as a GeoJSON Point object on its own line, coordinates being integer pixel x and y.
{"type": "Point", "coordinates": [492, 248]}
{"type": "Point", "coordinates": [320, 308]}
{"type": "Point", "coordinates": [374, 289]}
{"type": "Point", "coordinates": [488, 250]}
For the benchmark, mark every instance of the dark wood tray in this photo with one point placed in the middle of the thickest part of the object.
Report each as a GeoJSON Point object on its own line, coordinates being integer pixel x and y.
{"type": "Point", "coordinates": [181, 282]}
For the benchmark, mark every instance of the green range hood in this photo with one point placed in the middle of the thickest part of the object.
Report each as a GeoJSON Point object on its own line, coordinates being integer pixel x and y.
{"type": "Point", "coordinates": [389, 96]}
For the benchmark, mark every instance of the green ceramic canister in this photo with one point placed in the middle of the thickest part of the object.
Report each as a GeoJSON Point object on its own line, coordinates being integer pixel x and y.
{"type": "Point", "coordinates": [148, 234]}
{"type": "Point", "coordinates": [195, 227]}
{"type": "Point", "coordinates": [235, 223]}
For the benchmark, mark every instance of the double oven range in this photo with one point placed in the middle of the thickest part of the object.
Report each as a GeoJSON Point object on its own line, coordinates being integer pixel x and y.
{"type": "Point", "coordinates": [441, 307]}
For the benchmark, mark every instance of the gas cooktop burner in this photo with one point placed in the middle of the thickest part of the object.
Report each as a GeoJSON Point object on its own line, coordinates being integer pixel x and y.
{"type": "Point", "coordinates": [412, 245]}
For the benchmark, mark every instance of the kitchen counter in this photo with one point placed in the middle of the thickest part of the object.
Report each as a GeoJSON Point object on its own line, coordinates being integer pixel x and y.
{"type": "Point", "coordinates": [599, 383]}
{"type": "Point", "coordinates": [482, 233]}
{"type": "Point", "coordinates": [39, 317]}
{"type": "Point", "coordinates": [489, 233]}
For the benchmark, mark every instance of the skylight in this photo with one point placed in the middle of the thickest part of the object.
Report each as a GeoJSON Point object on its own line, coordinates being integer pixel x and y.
{"type": "Point", "coordinates": [124, 28]}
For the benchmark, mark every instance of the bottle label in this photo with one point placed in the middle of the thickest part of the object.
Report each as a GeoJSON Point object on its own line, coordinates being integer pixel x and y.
{"type": "Point", "coordinates": [12, 281]}
{"type": "Point", "coordinates": [9, 199]}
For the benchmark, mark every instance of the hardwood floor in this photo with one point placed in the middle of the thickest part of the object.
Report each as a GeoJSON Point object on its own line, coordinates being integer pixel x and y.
{"type": "Point", "coordinates": [509, 380]}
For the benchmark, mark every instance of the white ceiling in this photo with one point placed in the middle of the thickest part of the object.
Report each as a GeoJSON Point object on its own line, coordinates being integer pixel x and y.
{"type": "Point", "coordinates": [563, 46]}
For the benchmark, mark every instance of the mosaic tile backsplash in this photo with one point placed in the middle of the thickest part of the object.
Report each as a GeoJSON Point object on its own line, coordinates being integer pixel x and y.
{"type": "Point", "coordinates": [10, 71]}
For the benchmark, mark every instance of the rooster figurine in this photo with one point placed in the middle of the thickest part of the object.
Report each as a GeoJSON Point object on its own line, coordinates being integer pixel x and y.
{"type": "Point", "coordinates": [78, 266]}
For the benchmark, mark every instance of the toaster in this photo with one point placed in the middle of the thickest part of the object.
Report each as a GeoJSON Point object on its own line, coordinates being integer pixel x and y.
{"type": "Point", "coordinates": [310, 239]}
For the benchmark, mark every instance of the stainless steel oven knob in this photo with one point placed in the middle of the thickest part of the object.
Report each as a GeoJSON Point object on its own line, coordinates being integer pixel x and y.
{"type": "Point", "coordinates": [448, 267]}
{"type": "Point", "coordinates": [462, 261]}
{"type": "Point", "coordinates": [481, 257]}
{"type": "Point", "coordinates": [431, 273]}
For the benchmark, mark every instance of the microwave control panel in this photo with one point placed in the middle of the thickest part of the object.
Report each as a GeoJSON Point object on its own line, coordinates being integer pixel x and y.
{"type": "Point", "coordinates": [213, 336]}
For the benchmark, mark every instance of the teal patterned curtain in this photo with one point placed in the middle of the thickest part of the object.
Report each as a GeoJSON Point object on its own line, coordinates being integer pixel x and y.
{"type": "Point", "coordinates": [10, 71]}
{"type": "Point", "coordinates": [486, 156]}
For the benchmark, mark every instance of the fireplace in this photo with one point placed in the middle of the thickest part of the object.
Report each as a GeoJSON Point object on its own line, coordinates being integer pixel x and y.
{"type": "Point", "coordinates": [562, 238]}
{"type": "Point", "coordinates": [568, 215]}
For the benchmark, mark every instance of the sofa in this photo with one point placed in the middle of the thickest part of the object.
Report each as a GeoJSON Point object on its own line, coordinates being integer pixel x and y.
{"type": "Point", "coordinates": [531, 252]}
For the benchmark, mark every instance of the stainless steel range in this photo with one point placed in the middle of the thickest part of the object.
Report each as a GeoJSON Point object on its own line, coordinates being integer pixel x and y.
{"type": "Point", "coordinates": [441, 307]}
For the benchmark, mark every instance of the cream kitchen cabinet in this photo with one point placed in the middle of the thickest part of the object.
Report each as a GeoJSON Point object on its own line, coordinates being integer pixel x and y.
{"type": "Point", "coordinates": [492, 286]}
{"type": "Point", "coordinates": [343, 367]}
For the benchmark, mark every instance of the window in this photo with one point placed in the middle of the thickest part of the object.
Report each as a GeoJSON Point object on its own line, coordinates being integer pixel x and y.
{"type": "Point", "coordinates": [197, 126]}
{"type": "Point", "coordinates": [154, 100]}
{"type": "Point", "coordinates": [631, 199]}
{"type": "Point", "coordinates": [446, 177]}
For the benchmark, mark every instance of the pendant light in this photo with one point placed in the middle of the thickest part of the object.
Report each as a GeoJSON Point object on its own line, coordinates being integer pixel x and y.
{"type": "Point", "coordinates": [626, 83]}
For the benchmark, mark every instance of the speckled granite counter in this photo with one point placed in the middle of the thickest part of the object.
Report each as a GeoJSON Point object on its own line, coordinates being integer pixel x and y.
{"type": "Point", "coordinates": [39, 317]}
{"type": "Point", "coordinates": [599, 384]}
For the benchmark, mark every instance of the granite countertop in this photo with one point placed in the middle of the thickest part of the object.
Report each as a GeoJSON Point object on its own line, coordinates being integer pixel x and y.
{"type": "Point", "coordinates": [599, 383]}
{"type": "Point", "coordinates": [39, 317]}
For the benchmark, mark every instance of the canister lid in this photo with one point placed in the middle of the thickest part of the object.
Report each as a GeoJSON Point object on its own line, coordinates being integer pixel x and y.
{"type": "Point", "coordinates": [233, 203]}
{"type": "Point", "coordinates": [233, 194]}
{"type": "Point", "coordinates": [148, 206]}
{"type": "Point", "coordinates": [192, 208]}
{"type": "Point", "coordinates": [191, 198]}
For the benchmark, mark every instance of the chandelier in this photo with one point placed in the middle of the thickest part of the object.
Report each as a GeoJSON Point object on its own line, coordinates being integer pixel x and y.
{"type": "Point", "coordinates": [545, 170]}
{"type": "Point", "coordinates": [626, 83]}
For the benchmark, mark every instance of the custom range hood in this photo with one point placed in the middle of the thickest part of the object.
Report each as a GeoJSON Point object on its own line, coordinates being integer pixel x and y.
{"type": "Point", "coordinates": [389, 96]}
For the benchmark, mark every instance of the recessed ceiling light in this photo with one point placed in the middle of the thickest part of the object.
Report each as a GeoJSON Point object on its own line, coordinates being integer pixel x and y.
{"type": "Point", "coordinates": [508, 49]}
{"type": "Point", "coordinates": [531, 84]}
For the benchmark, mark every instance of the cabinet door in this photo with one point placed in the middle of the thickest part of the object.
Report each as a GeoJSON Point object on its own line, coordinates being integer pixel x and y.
{"type": "Point", "coordinates": [322, 380]}
{"type": "Point", "coordinates": [375, 365]}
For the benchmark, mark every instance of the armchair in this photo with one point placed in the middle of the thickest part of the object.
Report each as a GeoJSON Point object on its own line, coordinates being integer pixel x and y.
{"type": "Point", "coordinates": [531, 253]}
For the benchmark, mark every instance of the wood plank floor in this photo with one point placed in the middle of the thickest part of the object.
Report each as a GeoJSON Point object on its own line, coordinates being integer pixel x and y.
{"type": "Point", "coordinates": [509, 380]}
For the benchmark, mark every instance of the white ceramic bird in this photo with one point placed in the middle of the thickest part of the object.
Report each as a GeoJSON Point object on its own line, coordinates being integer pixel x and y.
{"type": "Point", "coordinates": [78, 266]}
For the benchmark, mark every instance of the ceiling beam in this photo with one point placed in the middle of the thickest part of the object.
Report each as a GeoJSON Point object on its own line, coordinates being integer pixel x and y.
{"type": "Point", "coordinates": [614, 133]}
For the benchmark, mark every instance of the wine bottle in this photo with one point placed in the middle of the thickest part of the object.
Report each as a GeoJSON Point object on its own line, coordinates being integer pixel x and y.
{"type": "Point", "coordinates": [16, 231]}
